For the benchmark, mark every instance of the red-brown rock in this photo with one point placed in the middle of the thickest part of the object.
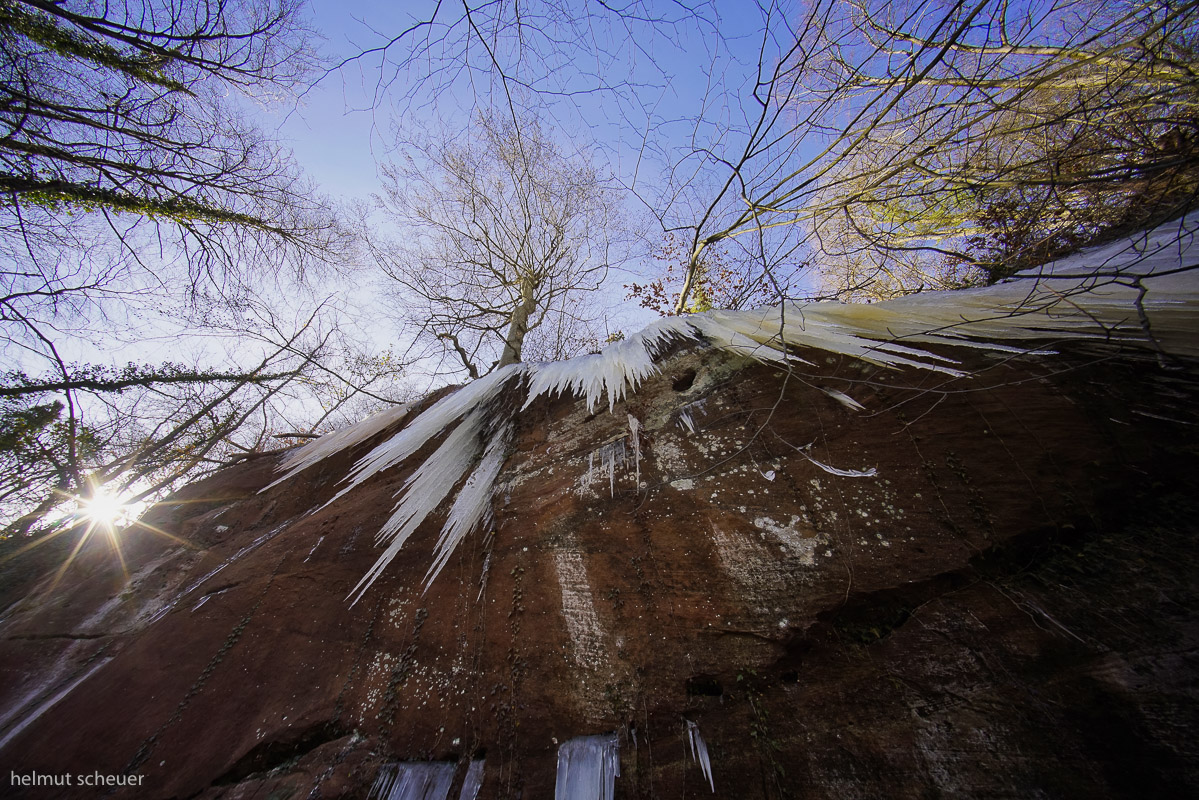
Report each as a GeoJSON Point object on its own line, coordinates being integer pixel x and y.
{"type": "Point", "coordinates": [1007, 609]}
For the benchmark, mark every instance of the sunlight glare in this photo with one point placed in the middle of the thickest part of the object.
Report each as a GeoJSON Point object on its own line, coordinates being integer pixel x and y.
{"type": "Point", "coordinates": [105, 509]}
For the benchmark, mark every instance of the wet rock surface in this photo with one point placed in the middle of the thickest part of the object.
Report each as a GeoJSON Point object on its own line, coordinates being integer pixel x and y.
{"type": "Point", "coordinates": [978, 587]}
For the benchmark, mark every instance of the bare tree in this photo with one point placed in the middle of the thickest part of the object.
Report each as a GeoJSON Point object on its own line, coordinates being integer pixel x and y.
{"type": "Point", "coordinates": [137, 198]}
{"type": "Point", "coordinates": [720, 281]}
{"type": "Point", "coordinates": [140, 430]}
{"type": "Point", "coordinates": [973, 135]}
{"type": "Point", "coordinates": [123, 112]}
{"type": "Point", "coordinates": [502, 233]}
{"type": "Point", "coordinates": [889, 147]}
{"type": "Point", "coordinates": [126, 167]}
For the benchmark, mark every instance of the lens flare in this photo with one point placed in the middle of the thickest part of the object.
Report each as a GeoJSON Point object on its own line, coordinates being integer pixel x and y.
{"type": "Point", "coordinates": [104, 509]}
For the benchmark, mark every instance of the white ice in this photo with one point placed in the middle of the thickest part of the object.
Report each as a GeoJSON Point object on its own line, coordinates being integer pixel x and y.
{"type": "Point", "coordinates": [473, 504]}
{"type": "Point", "coordinates": [588, 767]}
{"type": "Point", "coordinates": [337, 441]}
{"type": "Point", "coordinates": [1143, 291]}
{"type": "Point", "coordinates": [414, 780]}
{"type": "Point", "coordinates": [843, 399]}
{"type": "Point", "coordinates": [635, 440]}
{"type": "Point", "coordinates": [699, 752]}
{"type": "Point", "coordinates": [473, 781]}
{"type": "Point", "coordinates": [430, 424]}
{"type": "Point", "coordinates": [425, 490]}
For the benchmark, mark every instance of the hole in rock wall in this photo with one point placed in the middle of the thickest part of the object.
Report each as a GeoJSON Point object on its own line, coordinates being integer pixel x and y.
{"type": "Point", "coordinates": [683, 382]}
{"type": "Point", "coordinates": [704, 686]}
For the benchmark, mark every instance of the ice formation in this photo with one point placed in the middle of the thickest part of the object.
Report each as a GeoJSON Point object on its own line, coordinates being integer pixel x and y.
{"type": "Point", "coordinates": [425, 490]}
{"type": "Point", "coordinates": [338, 441]}
{"type": "Point", "coordinates": [601, 462]}
{"type": "Point", "coordinates": [430, 423]}
{"type": "Point", "coordinates": [699, 751]}
{"type": "Point", "coordinates": [843, 399]}
{"type": "Point", "coordinates": [618, 369]}
{"type": "Point", "coordinates": [588, 767]}
{"type": "Point", "coordinates": [436, 477]}
{"type": "Point", "coordinates": [414, 780]}
{"type": "Point", "coordinates": [1137, 291]}
{"type": "Point", "coordinates": [635, 440]}
{"type": "Point", "coordinates": [610, 455]}
{"type": "Point", "coordinates": [841, 473]}
{"type": "Point", "coordinates": [473, 504]}
{"type": "Point", "coordinates": [686, 415]}
{"type": "Point", "coordinates": [473, 781]}
{"type": "Point", "coordinates": [1142, 291]}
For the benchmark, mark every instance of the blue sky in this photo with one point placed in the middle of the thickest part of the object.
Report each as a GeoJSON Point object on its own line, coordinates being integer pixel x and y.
{"type": "Point", "coordinates": [334, 131]}
{"type": "Point", "coordinates": [341, 129]}
{"type": "Point", "coordinates": [673, 89]}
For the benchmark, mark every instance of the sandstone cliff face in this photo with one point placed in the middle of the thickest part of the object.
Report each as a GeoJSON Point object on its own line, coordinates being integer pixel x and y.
{"type": "Point", "coordinates": [994, 598]}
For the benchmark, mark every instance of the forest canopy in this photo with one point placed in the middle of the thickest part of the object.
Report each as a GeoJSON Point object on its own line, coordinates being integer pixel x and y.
{"type": "Point", "coordinates": [141, 205]}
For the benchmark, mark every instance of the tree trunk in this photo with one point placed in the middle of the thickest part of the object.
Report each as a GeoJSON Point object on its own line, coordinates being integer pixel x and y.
{"type": "Point", "coordinates": [519, 324]}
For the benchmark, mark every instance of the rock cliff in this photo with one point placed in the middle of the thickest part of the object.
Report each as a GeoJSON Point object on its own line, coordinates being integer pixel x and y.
{"type": "Point", "coordinates": [839, 579]}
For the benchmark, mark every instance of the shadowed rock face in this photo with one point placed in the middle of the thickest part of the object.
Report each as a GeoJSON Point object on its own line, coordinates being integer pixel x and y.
{"type": "Point", "coordinates": [1005, 609]}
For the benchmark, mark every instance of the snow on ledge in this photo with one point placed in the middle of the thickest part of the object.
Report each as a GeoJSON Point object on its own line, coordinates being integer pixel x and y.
{"type": "Point", "coordinates": [1142, 291]}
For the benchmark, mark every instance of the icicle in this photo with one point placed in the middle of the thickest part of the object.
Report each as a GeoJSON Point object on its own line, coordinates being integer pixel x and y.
{"type": "Point", "coordinates": [844, 399]}
{"type": "Point", "coordinates": [611, 456]}
{"type": "Point", "coordinates": [588, 767]}
{"type": "Point", "coordinates": [414, 780]}
{"type": "Point", "coordinates": [635, 438]}
{"type": "Point", "coordinates": [619, 368]}
{"type": "Point", "coordinates": [603, 461]}
{"type": "Point", "coordinates": [686, 418]}
{"type": "Point", "coordinates": [473, 781]}
{"type": "Point", "coordinates": [425, 490]}
{"type": "Point", "coordinates": [744, 333]}
{"type": "Point", "coordinates": [844, 473]}
{"type": "Point", "coordinates": [589, 477]}
{"type": "Point", "coordinates": [699, 752]}
{"type": "Point", "coordinates": [430, 423]}
{"type": "Point", "coordinates": [336, 442]}
{"type": "Point", "coordinates": [473, 503]}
